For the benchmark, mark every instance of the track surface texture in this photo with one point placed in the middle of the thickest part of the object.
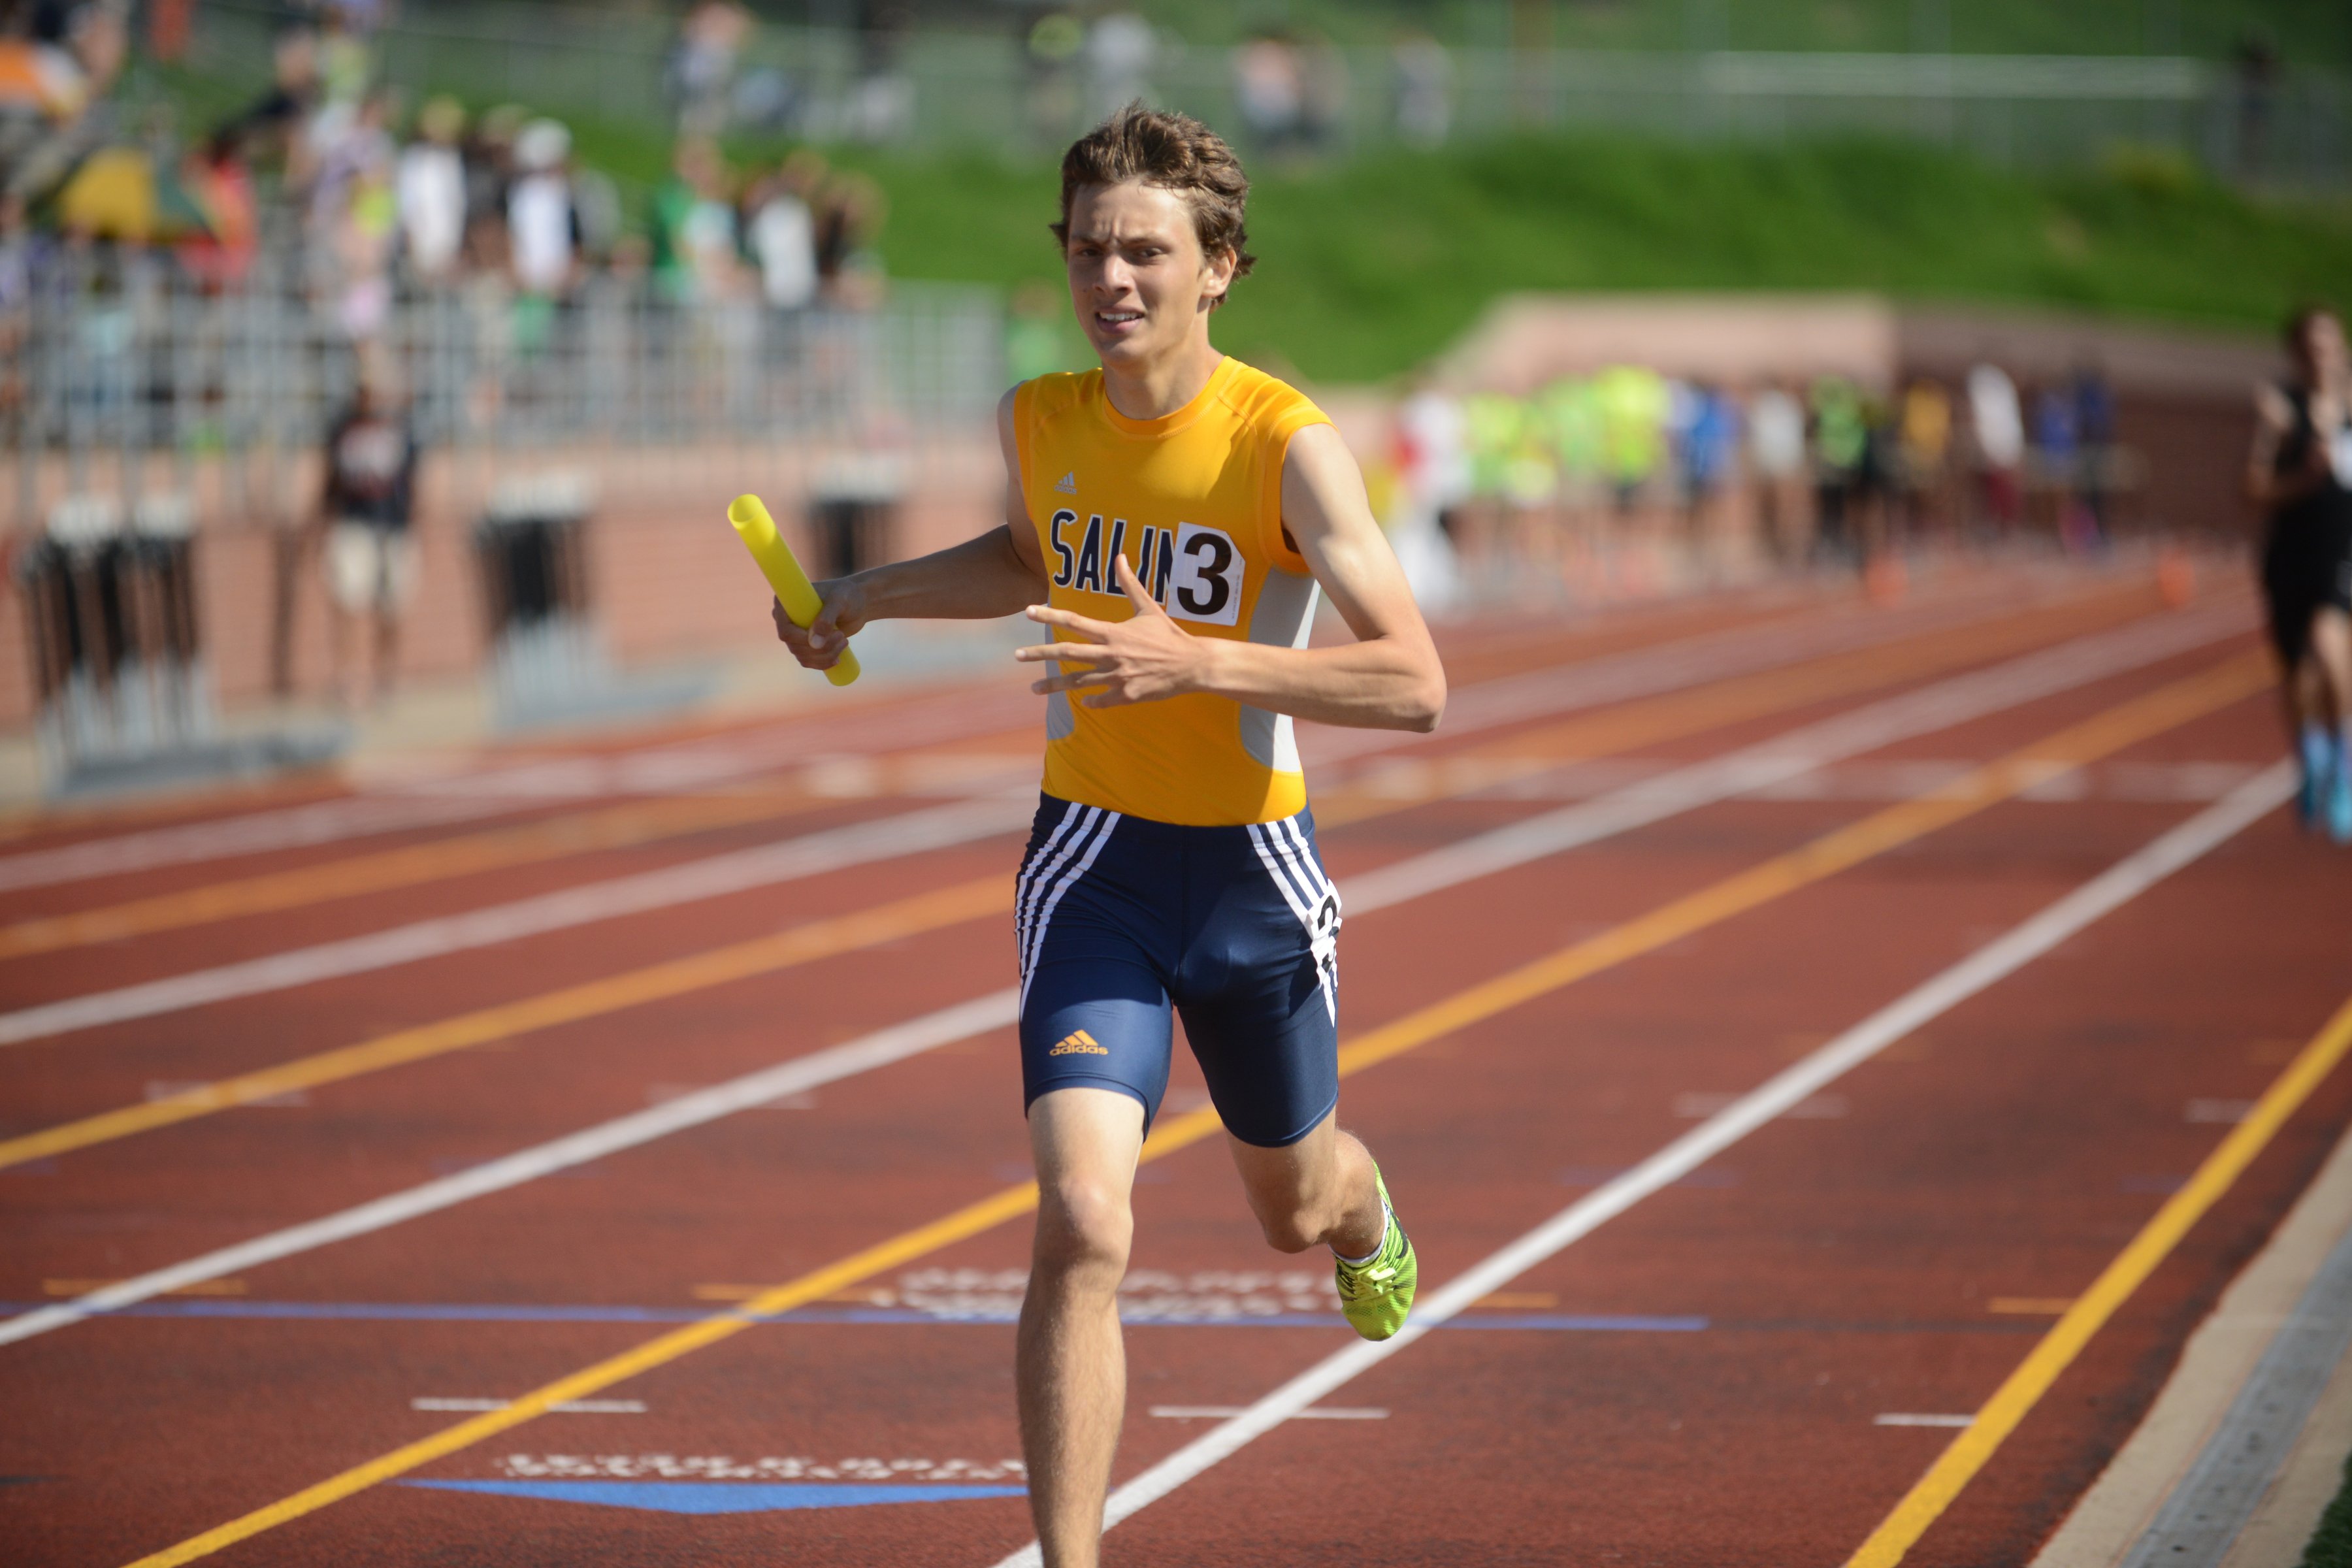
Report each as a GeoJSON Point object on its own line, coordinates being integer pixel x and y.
{"type": "Point", "coordinates": [1752, 1359]}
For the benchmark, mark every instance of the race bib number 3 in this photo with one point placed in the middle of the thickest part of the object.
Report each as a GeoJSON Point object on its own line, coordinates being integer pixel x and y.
{"type": "Point", "coordinates": [1205, 581]}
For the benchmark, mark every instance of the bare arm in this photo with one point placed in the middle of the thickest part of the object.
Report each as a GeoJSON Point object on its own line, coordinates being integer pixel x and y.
{"type": "Point", "coordinates": [2265, 485]}
{"type": "Point", "coordinates": [1000, 572]}
{"type": "Point", "coordinates": [1388, 679]}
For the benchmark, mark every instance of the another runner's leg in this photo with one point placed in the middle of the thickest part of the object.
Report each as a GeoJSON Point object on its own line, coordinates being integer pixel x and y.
{"type": "Point", "coordinates": [1070, 1366]}
{"type": "Point", "coordinates": [2331, 652]}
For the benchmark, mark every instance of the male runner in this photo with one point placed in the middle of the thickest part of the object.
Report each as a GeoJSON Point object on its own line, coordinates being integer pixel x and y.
{"type": "Point", "coordinates": [1182, 511]}
{"type": "Point", "coordinates": [2300, 473]}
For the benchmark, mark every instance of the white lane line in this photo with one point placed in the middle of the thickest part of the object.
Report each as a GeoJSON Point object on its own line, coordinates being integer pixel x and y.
{"type": "Point", "coordinates": [1225, 1412]}
{"type": "Point", "coordinates": [702, 764]}
{"type": "Point", "coordinates": [478, 795]}
{"type": "Point", "coordinates": [569, 1407]}
{"type": "Point", "coordinates": [1998, 959]}
{"type": "Point", "coordinates": [965, 1019]}
{"type": "Point", "coordinates": [2045, 672]}
{"type": "Point", "coordinates": [1901, 1418]}
{"type": "Point", "coordinates": [737, 871]}
{"type": "Point", "coordinates": [1648, 671]}
{"type": "Point", "coordinates": [797, 1075]}
{"type": "Point", "coordinates": [740, 870]}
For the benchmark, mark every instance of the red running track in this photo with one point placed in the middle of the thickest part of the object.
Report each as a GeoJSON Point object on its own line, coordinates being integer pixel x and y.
{"type": "Point", "coordinates": [1700, 1381]}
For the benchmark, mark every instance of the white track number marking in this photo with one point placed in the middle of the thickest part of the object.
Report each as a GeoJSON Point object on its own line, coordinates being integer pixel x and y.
{"type": "Point", "coordinates": [1206, 583]}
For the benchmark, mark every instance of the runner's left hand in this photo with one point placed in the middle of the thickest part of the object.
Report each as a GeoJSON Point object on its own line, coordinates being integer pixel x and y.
{"type": "Point", "coordinates": [1140, 659]}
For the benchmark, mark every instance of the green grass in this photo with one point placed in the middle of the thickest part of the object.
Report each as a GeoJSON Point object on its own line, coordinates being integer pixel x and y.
{"type": "Point", "coordinates": [2331, 1545]}
{"type": "Point", "coordinates": [2311, 32]}
{"type": "Point", "coordinates": [1369, 269]}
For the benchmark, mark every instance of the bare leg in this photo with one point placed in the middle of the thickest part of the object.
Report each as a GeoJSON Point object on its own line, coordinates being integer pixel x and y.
{"type": "Point", "coordinates": [2329, 661]}
{"type": "Point", "coordinates": [387, 652]}
{"type": "Point", "coordinates": [1318, 1191]}
{"type": "Point", "coordinates": [346, 644]}
{"type": "Point", "coordinates": [1069, 1365]}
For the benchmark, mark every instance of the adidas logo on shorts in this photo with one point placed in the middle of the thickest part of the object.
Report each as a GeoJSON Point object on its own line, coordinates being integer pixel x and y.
{"type": "Point", "coordinates": [1079, 1044]}
{"type": "Point", "coordinates": [1068, 483]}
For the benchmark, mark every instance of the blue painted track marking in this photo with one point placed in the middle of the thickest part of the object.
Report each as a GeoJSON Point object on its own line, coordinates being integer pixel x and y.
{"type": "Point", "coordinates": [512, 1312]}
{"type": "Point", "coordinates": [722, 1496]}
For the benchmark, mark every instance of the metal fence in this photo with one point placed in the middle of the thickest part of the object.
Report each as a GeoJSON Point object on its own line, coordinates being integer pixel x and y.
{"type": "Point", "coordinates": [986, 91]}
{"type": "Point", "coordinates": [142, 408]}
{"type": "Point", "coordinates": [127, 362]}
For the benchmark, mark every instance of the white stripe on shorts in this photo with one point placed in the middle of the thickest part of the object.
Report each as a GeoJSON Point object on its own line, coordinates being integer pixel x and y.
{"type": "Point", "coordinates": [1031, 875]}
{"type": "Point", "coordinates": [1292, 866]}
{"type": "Point", "coordinates": [1044, 915]}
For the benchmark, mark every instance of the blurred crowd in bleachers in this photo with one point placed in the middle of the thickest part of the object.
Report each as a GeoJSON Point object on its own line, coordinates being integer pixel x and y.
{"type": "Point", "coordinates": [365, 197]}
{"type": "Point", "coordinates": [1827, 472]}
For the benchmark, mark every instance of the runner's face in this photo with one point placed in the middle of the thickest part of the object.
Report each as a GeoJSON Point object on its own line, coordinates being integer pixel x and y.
{"type": "Point", "coordinates": [1138, 279]}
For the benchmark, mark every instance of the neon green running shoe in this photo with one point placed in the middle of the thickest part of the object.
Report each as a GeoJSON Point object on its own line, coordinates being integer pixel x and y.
{"type": "Point", "coordinates": [1376, 1294]}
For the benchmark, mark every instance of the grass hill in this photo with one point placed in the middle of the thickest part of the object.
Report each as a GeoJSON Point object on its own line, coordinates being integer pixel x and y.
{"type": "Point", "coordinates": [1370, 269]}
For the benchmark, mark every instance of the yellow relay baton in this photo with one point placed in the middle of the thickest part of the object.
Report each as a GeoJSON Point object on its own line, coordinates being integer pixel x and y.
{"type": "Point", "coordinates": [793, 590]}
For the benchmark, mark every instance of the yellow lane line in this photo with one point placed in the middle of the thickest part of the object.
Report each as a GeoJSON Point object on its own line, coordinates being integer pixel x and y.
{"type": "Point", "coordinates": [1616, 730]}
{"type": "Point", "coordinates": [738, 961]}
{"type": "Point", "coordinates": [824, 939]}
{"type": "Point", "coordinates": [379, 872]}
{"type": "Point", "coordinates": [1977, 1444]}
{"type": "Point", "coordinates": [2152, 714]}
{"type": "Point", "coordinates": [1410, 781]}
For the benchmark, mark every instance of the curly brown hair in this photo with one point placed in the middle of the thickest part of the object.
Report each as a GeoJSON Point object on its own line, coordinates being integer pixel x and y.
{"type": "Point", "coordinates": [1176, 153]}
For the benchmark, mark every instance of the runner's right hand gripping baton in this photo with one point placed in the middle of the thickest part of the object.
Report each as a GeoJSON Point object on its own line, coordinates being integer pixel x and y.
{"type": "Point", "coordinates": [793, 590]}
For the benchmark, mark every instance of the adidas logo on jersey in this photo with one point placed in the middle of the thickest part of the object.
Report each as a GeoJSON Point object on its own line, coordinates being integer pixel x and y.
{"type": "Point", "coordinates": [1079, 1044]}
{"type": "Point", "coordinates": [1068, 483]}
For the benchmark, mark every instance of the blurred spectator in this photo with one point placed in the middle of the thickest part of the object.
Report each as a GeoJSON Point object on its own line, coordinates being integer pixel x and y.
{"type": "Point", "coordinates": [2057, 445]}
{"type": "Point", "coordinates": [882, 102]}
{"type": "Point", "coordinates": [694, 226]}
{"type": "Point", "coordinates": [702, 65]}
{"type": "Point", "coordinates": [273, 124]}
{"type": "Point", "coordinates": [542, 229]}
{"type": "Point", "coordinates": [1571, 410]}
{"type": "Point", "coordinates": [364, 234]}
{"type": "Point", "coordinates": [1998, 425]}
{"type": "Point", "coordinates": [1325, 89]}
{"type": "Point", "coordinates": [1053, 46]}
{"type": "Point", "coordinates": [346, 62]}
{"type": "Point", "coordinates": [1923, 445]}
{"type": "Point", "coordinates": [2095, 427]}
{"type": "Point", "coordinates": [1432, 480]}
{"type": "Point", "coordinates": [62, 109]}
{"type": "Point", "coordinates": [1271, 91]}
{"type": "Point", "coordinates": [1423, 72]}
{"type": "Point", "coordinates": [431, 193]}
{"type": "Point", "coordinates": [1775, 449]}
{"type": "Point", "coordinates": [218, 180]}
{"type": "Point", "coordinates": [1634, 404]}
{"type": "Point", "coordinates": [849, 216]}
{"type": "Point", "coordinates": [1707, 445]}
{"type": "Point", "coordinates": [1118, 52]}
{"type": "Point", "coordinates": [345, 143]}
{"type": "Point", "coordinates": [781, 230]}
{"type": "Point", "coordinates": [1841, 429]}
{"type": "Point", "coordinates": [364, 513]}
{"type": "Point", "coordinates": [488, 157]}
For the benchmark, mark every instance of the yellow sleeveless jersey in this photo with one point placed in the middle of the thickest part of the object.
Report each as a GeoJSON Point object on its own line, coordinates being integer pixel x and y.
{"type": "Point", "coordinates": [1193, 500]}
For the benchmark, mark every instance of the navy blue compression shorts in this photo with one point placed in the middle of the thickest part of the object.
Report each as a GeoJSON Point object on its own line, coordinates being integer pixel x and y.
{"type": "Point", "coordinates": [1121, 920]}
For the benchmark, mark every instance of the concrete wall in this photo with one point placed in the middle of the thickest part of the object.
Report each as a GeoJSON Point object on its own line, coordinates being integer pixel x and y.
{"type": "Point", "coordinates": [668, 578]}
